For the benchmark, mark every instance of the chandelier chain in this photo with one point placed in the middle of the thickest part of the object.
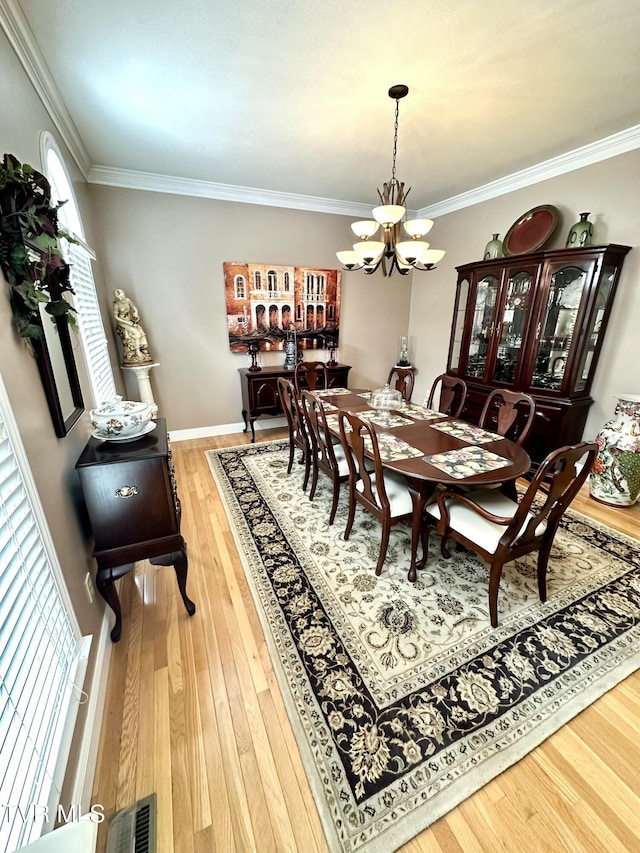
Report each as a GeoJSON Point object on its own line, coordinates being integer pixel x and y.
{"type": "Point", "coordinates": [395, 143]}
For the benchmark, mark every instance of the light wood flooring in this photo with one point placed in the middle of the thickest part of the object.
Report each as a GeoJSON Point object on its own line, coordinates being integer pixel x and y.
{"type": "Point", "coordinates": [194, 713]}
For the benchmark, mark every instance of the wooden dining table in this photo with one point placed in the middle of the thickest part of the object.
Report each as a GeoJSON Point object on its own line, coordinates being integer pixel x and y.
{"type": "Point", "coordinates": [432, 434]}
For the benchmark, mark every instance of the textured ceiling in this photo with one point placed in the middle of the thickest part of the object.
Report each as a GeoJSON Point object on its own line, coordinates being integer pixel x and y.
{"type": "Point", "coordinates": [292, 96]}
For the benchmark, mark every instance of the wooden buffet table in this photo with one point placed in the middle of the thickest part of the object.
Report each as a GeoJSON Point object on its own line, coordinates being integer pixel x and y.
{"type": "Point", "coordinates": [423, 477]}
{"type": "Point", "coordinates": [260, 390]}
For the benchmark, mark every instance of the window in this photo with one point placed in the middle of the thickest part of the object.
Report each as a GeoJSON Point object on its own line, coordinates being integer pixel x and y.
{"type": "Point", "coordinates": [42, 655]}
{"type": "Point", "coordinates": [79, 256]}
{"type": "Point", "coordinates": [287, 281]}
{"type": "Point", "coordinates": [272, 280]}
{"type": "Point", "coordinates": [257, 278]}
{"type": "Point", "coordinates": [240, 287]}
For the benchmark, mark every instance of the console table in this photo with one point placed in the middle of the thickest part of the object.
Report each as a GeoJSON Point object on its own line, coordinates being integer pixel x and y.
{"type": "Point", "coordinates": [260, 390]}
{"type": "Point", "coordinates": [133, 505]}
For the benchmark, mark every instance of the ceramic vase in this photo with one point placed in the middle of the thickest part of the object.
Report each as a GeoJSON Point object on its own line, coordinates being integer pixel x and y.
{"type": "Point", "coordinates": [615, 477]}
{"type": "Point", "coordinates": [493, 249]}
{"type": "Point", "coordinates": [581, 234]}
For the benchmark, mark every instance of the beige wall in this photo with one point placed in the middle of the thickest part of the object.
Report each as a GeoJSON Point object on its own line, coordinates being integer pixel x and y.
{"type": "Point", "coordinates": [607, 189]}
{"type": "Point", "coordinates": [51, 459]}
{"type": "Point", "coordinates": [167, 252]}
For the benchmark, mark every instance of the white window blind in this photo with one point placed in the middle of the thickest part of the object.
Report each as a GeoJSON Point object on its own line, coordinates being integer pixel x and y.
{"type": "Point", "coordinates": [42, 655]}
{"type": "Point", "coordinates": [94, 340]}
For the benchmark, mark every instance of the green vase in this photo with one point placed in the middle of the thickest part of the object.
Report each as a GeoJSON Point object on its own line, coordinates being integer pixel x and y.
{"type": "Point", "coordinates": [581, 234]}
{"type": "Point", "coordinates": [493, 249]}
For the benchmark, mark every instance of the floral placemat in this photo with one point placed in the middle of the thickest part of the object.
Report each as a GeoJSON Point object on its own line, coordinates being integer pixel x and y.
{"type": "Point", "coordinates": [392, 448]}
{"type": "Point", "coordinates": [466, 432]}
{"type": "Point", "coordinates": [330, 392]}
{"type": "Point", "coordinates": [328, 407]}
{"type": "Point", "coordinates": [366, 395]}
{"type": "Point", "coordinates": [419, 413]}
{"type": "Point", "coordinates": [384, 418]}
{"type": "Point", "coordinates": [467, 461]}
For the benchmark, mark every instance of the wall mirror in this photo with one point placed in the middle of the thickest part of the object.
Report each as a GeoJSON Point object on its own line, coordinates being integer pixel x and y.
{"type": "Point", "coordinates": [59, 374]}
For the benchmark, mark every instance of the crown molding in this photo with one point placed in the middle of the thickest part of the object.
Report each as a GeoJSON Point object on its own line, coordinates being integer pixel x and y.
{"type": "Point", "coordinates": [587, 155]}
{"type": "Point", "coordinates": [18, 32]}
{"type": "Point", "coordinates": [107, 176]}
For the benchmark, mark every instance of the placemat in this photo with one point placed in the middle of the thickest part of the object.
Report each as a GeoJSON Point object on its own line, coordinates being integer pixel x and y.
{"type": "Point", "coordinates": [466, 432]}
{"type": "Point", "coordinates": [392, 448]}
{"type": "Point", "coordinates": [467, 461]}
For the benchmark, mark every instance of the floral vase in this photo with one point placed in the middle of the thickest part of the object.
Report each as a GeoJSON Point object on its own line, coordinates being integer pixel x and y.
{"type": "Point", "coordinates": [493, 249]}
{"type": "Point", "coordinates": [615, 476]}
{"type": "Point", "coordinates": [581, 234]}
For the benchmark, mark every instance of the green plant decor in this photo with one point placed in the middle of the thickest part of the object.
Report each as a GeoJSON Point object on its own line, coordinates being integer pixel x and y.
{"type": "Point", "coordinates": [30, 254]}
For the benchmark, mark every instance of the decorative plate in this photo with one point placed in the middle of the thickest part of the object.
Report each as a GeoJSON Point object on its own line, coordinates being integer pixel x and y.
{"type": "Point", "coordinates": [531, 231]}
{"type": "Point", "coordinates": [102, 437]}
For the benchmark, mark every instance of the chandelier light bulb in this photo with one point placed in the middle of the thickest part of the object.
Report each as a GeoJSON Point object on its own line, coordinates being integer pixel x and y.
{"type": "Point", "coordinates": [388, 214]}
{"type": "Point", "coordinates": [417, 228]}
{"type": "Point", "coordinates": [368, 251]}
{"type": "Point", "coordinates": [349, 259]}
{"type": "Point", "coordinates": [412, 251]}
{"type": "Point", "coordinates": [432, 256]}
{"type": "Point", "coordinates": [365, 228]}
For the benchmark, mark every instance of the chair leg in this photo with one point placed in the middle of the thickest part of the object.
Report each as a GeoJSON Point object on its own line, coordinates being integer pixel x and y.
{"type": "Point", "coordinates": [495, 573]}
{"type": "Point", "coordinates": [314, 480]}
{"type": "Point", "coordinates": [443, 546]}
{"type": "Point", "coordinates": [307, 468]}
{"type": "Point", "coordinates": [384, 544]}
{"type": "Point", "coordinates": [543, 559]}
{"type": "Point", "coordinates": [336, 498]}
{"type": "Point", "coordinates": [352, 511]}
{"type": "Point", "coordinates": [292, 453]}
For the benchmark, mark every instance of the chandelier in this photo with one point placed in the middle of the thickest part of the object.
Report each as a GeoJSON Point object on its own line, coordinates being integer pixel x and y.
{"type": "Point", "coordinates": [391, 253]}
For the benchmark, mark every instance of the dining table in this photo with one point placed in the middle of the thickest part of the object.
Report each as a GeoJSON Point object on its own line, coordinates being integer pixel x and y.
{"type": "Point", "coordinates": [430, 449]}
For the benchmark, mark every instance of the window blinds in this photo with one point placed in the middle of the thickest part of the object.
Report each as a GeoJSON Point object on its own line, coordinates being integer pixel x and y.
{"type": "Point", "coordinates": [42, 655]}
{"type": "Point", "coordinates": [90, 323]}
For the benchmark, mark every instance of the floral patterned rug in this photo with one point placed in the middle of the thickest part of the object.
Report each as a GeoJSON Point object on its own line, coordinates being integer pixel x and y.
{"type": "Point", "coordinates": [403, 699]}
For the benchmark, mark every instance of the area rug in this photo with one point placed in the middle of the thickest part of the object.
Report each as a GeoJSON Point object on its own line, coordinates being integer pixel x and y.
{"type": "Point", "coordinates": [403, 699]}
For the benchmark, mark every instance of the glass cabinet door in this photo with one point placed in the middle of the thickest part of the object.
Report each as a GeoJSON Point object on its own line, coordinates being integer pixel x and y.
{"type": "Point", "coordinates": [483, 324]}
{"type": "Point", "coordinates": [459, 315]}
{"type": "Point", "coordinates": [592, 334]}
{"type": "Point", "coordinates": [557, 327]}
{"type": "Point", "coordinates": [512, 327]}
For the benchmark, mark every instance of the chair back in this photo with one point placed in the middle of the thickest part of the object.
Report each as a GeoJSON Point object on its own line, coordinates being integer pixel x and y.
{"type": "Point", "coordinates": [358, 436]}
{"type": "Point", "coordinates": [509, 413]}
{"type": "Point", "coordinates": [403, 380]}
{"type": "Point", "coordinates": [555, 484]}
{"type": "Point", "coordinates": [453, 395]}
{"type": "Point", "coordinates": [316, 420]}
{"type": "Point", "coordinates": [291, 407]}
{"type": "Point", "coordinates": [310, 374]}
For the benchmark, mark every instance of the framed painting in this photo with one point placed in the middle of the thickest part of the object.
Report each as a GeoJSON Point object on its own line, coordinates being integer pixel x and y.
{"type": "Point", "coordinates": [265, 301]}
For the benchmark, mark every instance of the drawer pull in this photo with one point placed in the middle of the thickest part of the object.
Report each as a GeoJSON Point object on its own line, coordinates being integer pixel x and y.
{"type": "Point", "coordinates": [126, 492]}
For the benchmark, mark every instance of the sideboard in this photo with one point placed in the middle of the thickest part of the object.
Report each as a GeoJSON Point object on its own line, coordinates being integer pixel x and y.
{"type": "Point", "coordinates": [130, 492]}
{"type": "Point", "coordinates": [260, 390]}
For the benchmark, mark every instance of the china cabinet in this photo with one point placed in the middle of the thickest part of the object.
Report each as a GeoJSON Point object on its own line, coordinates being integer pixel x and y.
{"type": "Point", "coordinates": [535, 323]}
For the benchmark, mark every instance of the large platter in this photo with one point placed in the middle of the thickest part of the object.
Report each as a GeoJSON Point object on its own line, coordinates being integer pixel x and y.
{"type": "Point", "coordinates": [102, 437]}
{"type": "Point", "coordinates": [531, 231]}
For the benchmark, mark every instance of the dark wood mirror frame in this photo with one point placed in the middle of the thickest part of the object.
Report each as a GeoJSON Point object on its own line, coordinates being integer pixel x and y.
{"type": "Point", "coordinates": [59, 376]}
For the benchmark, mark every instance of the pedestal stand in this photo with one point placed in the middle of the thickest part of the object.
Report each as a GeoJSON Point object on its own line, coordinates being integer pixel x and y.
{"type": "Point", "coordinates": [141, 373]}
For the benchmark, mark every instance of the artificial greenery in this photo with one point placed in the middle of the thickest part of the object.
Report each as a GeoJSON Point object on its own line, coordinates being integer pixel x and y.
{"type": "Point", "coordinates": [30, 253]}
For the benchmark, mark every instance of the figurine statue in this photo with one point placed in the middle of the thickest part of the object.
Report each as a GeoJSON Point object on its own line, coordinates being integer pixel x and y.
{"type": "Point", "coordinates": [134, 341]}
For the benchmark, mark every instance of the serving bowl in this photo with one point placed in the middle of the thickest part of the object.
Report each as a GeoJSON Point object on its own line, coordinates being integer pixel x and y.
{"type": "Point", "coordinates": [121, 419]}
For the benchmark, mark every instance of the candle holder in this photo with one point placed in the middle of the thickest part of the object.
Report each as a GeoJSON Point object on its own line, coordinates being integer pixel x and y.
{"type": "Point", "coordinates": [253, 351]}
{"type": "Point", "coordinates": [332, 350]}
{"type": "Point", "coordinates": [403, 358]}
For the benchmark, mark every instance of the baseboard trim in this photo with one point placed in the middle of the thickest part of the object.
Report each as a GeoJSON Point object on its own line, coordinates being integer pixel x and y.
{"type": "Point", "coordinates": [224, 429]}
{"type": "Point", "coordinates": [97, 692]}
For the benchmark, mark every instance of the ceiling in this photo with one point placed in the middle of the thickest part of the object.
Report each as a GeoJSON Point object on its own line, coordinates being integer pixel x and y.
{"type": "Point", "coordinates": [291, 95]}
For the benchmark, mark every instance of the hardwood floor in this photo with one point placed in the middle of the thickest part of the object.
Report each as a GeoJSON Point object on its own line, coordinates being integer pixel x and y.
{"type": "Point", "coordinates": [194, 713]}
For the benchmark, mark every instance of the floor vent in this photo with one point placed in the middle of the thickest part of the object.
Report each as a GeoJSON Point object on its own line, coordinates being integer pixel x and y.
{"type": "Point", "coordinates": [133, 830]}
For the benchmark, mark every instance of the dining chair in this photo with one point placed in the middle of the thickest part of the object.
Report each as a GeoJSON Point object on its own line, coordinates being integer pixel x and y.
{"type": "Point", "coordinates": [453, 395]}
{"type": "Point", "coordinates": [384, 494]}
{"type": "Point", "coordinates": [310, 374]}
{"type": "Point", "coordinates": [325, 455]}
{"type": "Point", "coordinates": [298, 435]}
{"type": "Point", "coordinates": [402, 379]}
{"type": "Point", "coordinates": [500, 529]}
